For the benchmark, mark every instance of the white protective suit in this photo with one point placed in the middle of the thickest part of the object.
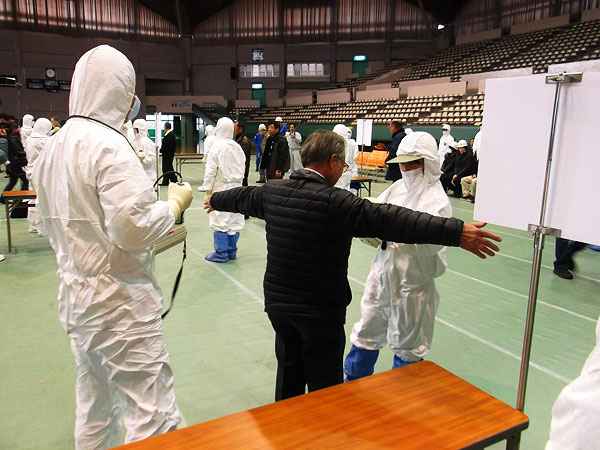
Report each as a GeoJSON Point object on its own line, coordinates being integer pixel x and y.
{"type": "Point", "coordinates": [224, 170]}
{"type": "Point", "coordinates": [576, 413]}
{"type": "Point", "coordinates": [477, 144]}
{"type": "Point", "coordinates": [209, 139]}
{"type": "Point", "coordinates": [444, 146]}
{"type": "Point", "coordinates": [400, 300]}
{"type": "Point", "coordinates": [351, 155]}
{"type": "Point", "coordinates": [98, 208]}
{"type": "Point", "coordinates": [294, 144]}
{"type": "Point", "coordinates": [26, 128]}
{"type": "Point", "coordinates": [33, 146]}
{"type": "Point", "coordinates": [146, 149]}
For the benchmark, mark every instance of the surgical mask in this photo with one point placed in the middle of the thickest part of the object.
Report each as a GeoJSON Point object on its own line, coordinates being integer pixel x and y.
{"type": "Point", "coordinates": [135, 110]}
{"type": "Point", "coordinates": [445, 132]}
{"type": "Point", "coordinates": [413, 177]}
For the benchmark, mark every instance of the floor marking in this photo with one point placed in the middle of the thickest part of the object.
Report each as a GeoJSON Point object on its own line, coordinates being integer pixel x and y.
{"type": "Point", "coordinates": [490, 344]}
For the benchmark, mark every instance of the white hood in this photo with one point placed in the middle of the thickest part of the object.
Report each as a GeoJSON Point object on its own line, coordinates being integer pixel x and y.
{"type": "Point", "coordinates": [419, 143]}
{"type": "Point", "coordinates": [341, 130]}
{"type": "Point", "coordinates": [447, 126]}
{"type": "Point", "coordinates": [142, 126]}
{"type": "Point", "coordinates": [224, 128]}
{"type": "Point", "coordinates": [41, 128]}
{"type": "Point", "coordinates": [91, 83]}
{"type": "Point", "coordinates": [27, 121]}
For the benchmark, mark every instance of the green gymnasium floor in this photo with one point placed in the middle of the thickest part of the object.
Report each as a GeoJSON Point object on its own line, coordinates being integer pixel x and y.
{"type": "Point", "coordinates": [221, 343]}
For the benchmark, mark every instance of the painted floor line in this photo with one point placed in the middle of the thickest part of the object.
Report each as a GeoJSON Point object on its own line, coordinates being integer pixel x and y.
{"type": "Point", "coordinates": [229, 277]}
{"type": "Point", "coordinates": [490, 344]}
{"type": "Point", "coordinates": [508, 291]}
{"type": "Point", "coordinates": [545, 266]}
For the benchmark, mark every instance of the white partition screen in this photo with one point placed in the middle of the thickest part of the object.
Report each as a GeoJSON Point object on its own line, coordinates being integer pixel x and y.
{"type": "Point", "coordinates": [514, 149]}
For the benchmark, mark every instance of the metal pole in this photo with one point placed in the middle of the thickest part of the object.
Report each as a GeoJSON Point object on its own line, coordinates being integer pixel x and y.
{"type": "Point", "coordinates": [540, 232]}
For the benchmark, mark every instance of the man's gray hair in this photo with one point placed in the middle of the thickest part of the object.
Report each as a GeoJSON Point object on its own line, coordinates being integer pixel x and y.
{"type": "Point", "coordinates": [319, 147]}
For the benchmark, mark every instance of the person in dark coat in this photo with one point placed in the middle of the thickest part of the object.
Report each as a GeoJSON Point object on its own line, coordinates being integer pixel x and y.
{"type": "Point", "coordinates": [16, 157]}
{"type": "Point", "coordinates": [310, 226]}
{"type": "Point", "coordinates": [463, 166]}
{"type": "Point", "coordinates": [447, 169]}
{"type": "Point", "coordinates": [168, 153]}
{"type": "Point", "coordinates": [393, 172]}
{"type": "Point", "coordinates": [275, 159]}
{"type": "Point", "coordinates": [240, 138]}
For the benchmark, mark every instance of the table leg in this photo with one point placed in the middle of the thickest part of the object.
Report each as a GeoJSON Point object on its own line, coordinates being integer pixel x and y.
{"type": "Point", "coordinates": [513, 442]}
{"type": "Point", "coordinates": [7, 208]}
{"type": "Point", "coordinates": [369, 189]}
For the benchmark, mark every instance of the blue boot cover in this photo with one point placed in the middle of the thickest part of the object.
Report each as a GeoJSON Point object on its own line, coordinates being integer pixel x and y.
{"type": "Point", "coordinates": [401, 363]}
{"type": "Point", "coordinates": [221, 244]}
{"type": "Point", "coordinates": [232, 245]}
{"type": "Point", "coordinates": [359, 363]}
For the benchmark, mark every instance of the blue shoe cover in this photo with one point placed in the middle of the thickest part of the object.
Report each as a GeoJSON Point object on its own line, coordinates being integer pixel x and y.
{"type": "Point", "coordinates": [401, 363]}
{"type": "Point", "coordinates": [220, 243]}
{"type": "Point", "coordinates": [359, 363]}
{"type": "Point", "coordinates": [232, 245]}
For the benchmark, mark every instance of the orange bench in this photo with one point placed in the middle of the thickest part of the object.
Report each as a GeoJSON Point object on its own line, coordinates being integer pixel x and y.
{"type": "Point", "coordinates": [12, 200]}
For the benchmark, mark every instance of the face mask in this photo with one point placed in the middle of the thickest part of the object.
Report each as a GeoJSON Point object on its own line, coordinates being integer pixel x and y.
{"type": "Point", "coordinates": [413, 177]}
{"type": "Point", "coordinates": [135, 110]}
{"type": "Point", "coordinates": [445, 132]}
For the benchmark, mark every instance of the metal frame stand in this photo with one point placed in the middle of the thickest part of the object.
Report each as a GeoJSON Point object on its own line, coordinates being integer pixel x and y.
{"type": "Point", "coordinates": [539, 233]}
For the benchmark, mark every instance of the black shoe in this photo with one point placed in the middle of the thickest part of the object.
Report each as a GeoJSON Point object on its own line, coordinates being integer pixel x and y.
{"type": "Point", "coordinates": [563, 273]}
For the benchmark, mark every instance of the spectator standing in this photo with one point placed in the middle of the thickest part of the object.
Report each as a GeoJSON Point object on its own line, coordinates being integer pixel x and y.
{"type": "Point", "coordinates": [167, 150]}
{"type": "Point", "coordinates": [393, 171]}
{"type": "Point", "coordinates": [244, 142]}
{"type": "Point", "coordinates": [258, 137]}
{"type": "Point", "coordinates": [275, 160]}
{"type": "Point", "coordinates": [294, 140]}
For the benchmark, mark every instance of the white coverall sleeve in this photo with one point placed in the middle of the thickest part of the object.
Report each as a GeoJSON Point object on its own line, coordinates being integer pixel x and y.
{"type": "Point", "coordinates": [576, 413]}
{"type": "Point", "coordinates": [210, 172]}
{"type": "Point", "coordinates": [149, 160]}
{"type": "Point", "coordinates": [133, 218]}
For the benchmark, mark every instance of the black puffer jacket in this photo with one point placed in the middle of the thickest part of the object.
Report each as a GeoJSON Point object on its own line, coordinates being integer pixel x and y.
{"type": "Point", "coordinates": [310, 226]}
{"type": "Point", "coordinates": [16, 155]}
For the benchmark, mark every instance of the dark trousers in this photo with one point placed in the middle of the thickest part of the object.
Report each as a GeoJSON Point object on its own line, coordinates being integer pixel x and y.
{"type": "Point", "coordinates": [446, 180]}
{"type": "Point", "coordinates": [563, 253]}
{"type": "Point", "coordinates": [13, 179]}
{"type": "Point", "coordinates": [246, 170]}
{"type": "Point", "coordinates": [309, 352]}
{"type": "Point", "coordinates": [167, 166]}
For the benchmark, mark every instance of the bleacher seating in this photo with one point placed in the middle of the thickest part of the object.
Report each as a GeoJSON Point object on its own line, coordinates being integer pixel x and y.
{"type": "Point", "coordinates": [537, 50]}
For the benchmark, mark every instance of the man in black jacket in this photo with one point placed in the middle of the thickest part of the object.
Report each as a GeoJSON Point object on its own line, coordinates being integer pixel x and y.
{"type": "Point", "coordinates": [310, 226]}
{"type": "Point", "coordinates": [168, 153]}
{"type": "Point", "coordinates": [393, 172]}
{"type": "Point", "coordinates": [240, 138]}
{"type": "Point", "coordinates": [276, 157]}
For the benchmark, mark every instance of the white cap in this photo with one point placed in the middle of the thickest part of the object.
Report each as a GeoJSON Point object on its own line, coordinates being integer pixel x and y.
{"type": "Point", "coordinates": [262, 126]}
{"type": "Point", "coordinates": [454, 145]}
{"type": "Point", "coordinates": [462, 143]}
{"type": "Point", "coordinates": [278, 119]}
{"type": "Point", "coordinates": [446, 127]}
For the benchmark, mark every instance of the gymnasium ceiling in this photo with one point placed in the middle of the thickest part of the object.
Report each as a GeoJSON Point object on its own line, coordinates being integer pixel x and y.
{"type": "Point", "coordinates": [193, 12]}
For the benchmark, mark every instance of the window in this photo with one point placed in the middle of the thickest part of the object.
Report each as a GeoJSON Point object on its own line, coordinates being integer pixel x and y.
{"type": "Point", "coordinates": [259, 70]}
{"type": "Point", "coordinates": [8, 80]}
{"type": "Point", "coordinates": [308, 70]}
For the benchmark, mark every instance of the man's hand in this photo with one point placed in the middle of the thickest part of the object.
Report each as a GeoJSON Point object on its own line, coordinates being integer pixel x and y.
{"type": "Point", "coordinates": [473, 239]}
{"type": "Point", "coordinates": [207, 205]}
{"type": "Point", "coordinates": [278, 173]}
{"type": "Point", "coordinates": [454, 177]}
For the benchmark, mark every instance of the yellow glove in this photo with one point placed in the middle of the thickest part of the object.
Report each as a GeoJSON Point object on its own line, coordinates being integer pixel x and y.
{"type": "Point", "coordinates": [179, 197]}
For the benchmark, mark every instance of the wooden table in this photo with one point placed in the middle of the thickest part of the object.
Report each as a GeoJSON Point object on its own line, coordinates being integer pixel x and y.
{"type": "Point", "coordinates": [12, 200]}
{"type": "Point", "coordinates": [420, 406]}
{"type": "Point", "coordinates": [365, 183]}
{"type": "Point", "coordinates": [183, 158]}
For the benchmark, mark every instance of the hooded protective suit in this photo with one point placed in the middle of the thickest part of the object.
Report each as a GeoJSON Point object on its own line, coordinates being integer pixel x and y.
{"type": "Point", "coordinates": [209, 139]}
{"type": "Point", "coordinates": [576, 413]}
{"type": "Point", "coordinates": [445, 140]}
{"type": "Point", "coordinates": [34, 145]}
{"type": "Point", "coordinates": [26, 128]}
{"type": "Point", "coordinates": [98, 208]}
{"type": "Point", "coordinates": [350, 158]}
{"type": "Point", "coordinates": [146, 149]}
{"type": "Point", "coordinates": [400, 300]}
{"type": "Point", "coordinates": [224, 170]}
